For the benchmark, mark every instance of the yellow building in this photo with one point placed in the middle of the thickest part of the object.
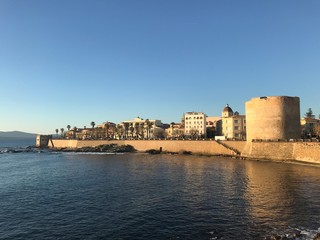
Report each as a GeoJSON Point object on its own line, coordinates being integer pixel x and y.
{"type": "Point", "coordinates": [176, 130]}
{"type": "Point", "coordinates": [310, 127]}
{"type": "Point", "coordinates": [233, 124]}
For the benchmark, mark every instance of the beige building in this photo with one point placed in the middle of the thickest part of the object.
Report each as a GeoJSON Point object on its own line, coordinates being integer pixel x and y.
{"type": "Point", "coordinates": [214, 126]}
{"type": "Point", "coordinates": [233, 124]}
{"type": "Point", "coordinates": [139, 128]}
{"type": "Point", "coordinates": [271, 118]}
{"type": "Point", "coordinates": [195, 124]}
{"type": "Point", "coordinates": [310, 127]}
{"type": "Point", "coordinates": [175, 130]}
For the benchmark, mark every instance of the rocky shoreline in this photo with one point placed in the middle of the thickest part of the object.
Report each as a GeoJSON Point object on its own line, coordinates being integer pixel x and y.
{"type": "Point", "coordinates": [106, 148]}
{"type": "Point", "coordinates": [294, 235]}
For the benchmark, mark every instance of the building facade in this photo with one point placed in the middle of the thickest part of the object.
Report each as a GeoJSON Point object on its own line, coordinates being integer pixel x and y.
{"type": "Point", "coordinates": [195, 124]}
{"type": "Point", "coordinates": [310, 127]}
{"type": "Point", "coordinates": [139, 128]}
{"type": "Point", "coordinates": [233, 124]}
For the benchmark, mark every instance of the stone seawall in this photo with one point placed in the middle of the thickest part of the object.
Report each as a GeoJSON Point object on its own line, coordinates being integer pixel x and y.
{"type": "Point", "coordinates": [281, 151]}
{"type": "Point", "coordinates": [293, 151]}
{"type": "Point", "coordinates": [200, 147]}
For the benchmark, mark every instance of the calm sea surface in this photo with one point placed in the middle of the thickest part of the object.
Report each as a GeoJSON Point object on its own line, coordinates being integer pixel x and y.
{"type": "Point", "coordinates": [48, 195]}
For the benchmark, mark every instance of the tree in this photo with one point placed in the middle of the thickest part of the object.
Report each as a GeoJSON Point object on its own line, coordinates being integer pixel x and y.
{"type": "Point", "coordinates": [107, 126]}
{"type": "Point", "coordinates": [148, 126]}
{"type": "Point", "coordinates": [131, 128]}
{"type": "Point", "coordinates": [309, 113]}
{"type": "Point", "coordinates": [74, 132]}
{"type": "Point", "coordinates": [176, 133]}
{"type": "Point", "coordinates": [119, 131]}
{"type": "Point", "coordinates": [62, 130]}
{"type": "Point", "coordinates": [126, 128]}
{"type": "Point", "coordinates": [194, 133]}
{"type": "Point", "coordinates": [316, 130]}
{"type": "Point", "coordinates": [136, 129]}
{"type": "Point", "coordinates": [68, 127]}
{"type": "Point", "coordinates": [57, 131]}
{"type": "Point", "coordinates": [92, 125]}
{"type": "Point", "coordinates": [141, 130]}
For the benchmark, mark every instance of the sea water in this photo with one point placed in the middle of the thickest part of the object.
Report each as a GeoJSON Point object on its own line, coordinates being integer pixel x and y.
{"type": "Point", "coordinates": [56, 195]}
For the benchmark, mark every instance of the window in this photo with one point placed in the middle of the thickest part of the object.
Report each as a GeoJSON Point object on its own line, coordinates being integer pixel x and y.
{"type": "Point", "coordinates": [236, 128]}
{"type": "Point", "coordinates": [236, 121]}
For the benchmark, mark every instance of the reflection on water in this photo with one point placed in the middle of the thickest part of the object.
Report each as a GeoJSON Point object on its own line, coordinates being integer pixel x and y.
{"type": "Point", "coordinates": [153, 196]}
{"type": "Point", "coordinates": [283, 192]}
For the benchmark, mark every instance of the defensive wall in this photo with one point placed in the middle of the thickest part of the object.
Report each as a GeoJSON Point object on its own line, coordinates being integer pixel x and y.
{"type": "Point", "coordinates": [308, 152]}
{"type": "Point", "coordinates": [195, 146]}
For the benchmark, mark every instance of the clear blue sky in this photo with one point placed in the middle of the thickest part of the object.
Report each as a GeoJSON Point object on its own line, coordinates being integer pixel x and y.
{"type": "Point", "coordinates": [73, 62]}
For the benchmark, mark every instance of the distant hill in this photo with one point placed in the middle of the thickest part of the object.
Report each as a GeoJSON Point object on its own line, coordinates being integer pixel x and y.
{"type": "Point", "coordinates": [17, 135]}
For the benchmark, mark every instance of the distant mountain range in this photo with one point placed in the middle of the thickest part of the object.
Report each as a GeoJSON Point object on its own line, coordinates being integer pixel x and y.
{"type": "Point", "coordinates": [17, 135]}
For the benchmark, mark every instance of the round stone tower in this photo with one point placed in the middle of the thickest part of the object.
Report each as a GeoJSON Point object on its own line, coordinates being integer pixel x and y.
{"type": "Point", "coordinates": [273, 118]}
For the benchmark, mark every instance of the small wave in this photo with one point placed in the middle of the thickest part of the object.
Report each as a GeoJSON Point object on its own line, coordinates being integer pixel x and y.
{"type": "Point", "coordinates": [18, 150]}
{"type": "Point", "coordinates": [91, 153]}
{"type": "Point", "coordinates": [296, 234]}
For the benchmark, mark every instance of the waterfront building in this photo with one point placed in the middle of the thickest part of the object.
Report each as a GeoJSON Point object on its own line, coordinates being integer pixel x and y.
{"type": "Point", "coordinates": [273, 118]}
{"type": "Point", "coordinates": [139, 128]}
{"type": "Point", "coordinates": [233, 124]}
{"type": "Point", "coordinates": [310, 127]}
{"type": "Point", "coordinates": [213, 126]}
{"type": "Point", "coordinates": [175, 130]}
{"type": "Point", "coordinates": [195, 124]}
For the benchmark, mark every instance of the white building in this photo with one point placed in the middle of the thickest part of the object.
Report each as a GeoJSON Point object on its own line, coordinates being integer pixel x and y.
{"type": "Point", "coordinates": [140, 128]}
{"type": "Point", "coordinates": [195, 124]}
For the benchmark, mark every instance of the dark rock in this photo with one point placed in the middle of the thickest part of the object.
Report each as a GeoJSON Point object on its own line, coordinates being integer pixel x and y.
{"type": "Point", "coordinates": [153, 151]}
{"type": "Point", "coordinates": [317, 236]}
{"type": "Point", "coordinates": [187, 152]}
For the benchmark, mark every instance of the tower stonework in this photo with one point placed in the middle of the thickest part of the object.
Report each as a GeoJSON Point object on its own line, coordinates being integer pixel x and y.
{"type": "Point", "coordinates": [272, 118]}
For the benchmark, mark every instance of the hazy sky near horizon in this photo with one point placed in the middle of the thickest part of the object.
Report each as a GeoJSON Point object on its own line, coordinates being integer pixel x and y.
{"type": "Point", "coordinates": [76, 61]}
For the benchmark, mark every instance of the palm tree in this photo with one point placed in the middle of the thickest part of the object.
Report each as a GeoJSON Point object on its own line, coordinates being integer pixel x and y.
{"type": "Point", "coordinates": [141, 128]}
{"type": "Point", "coordinates": [149, 126]}
{"type": "Point", "coordinates": [107, 126]}
{"type": "Point", "coordinates": [131, 128]}
{"type": "Point", "coordinates": [74, 132]}
{"type": "Point", "coordinates": [119, 130]}
{"type": "Point", "coordinates": [62, 130]}
{"type": "Point", "coordinates": [136, 129]}
{"type": "Point", "coordinates": [68, 127]}
{"type": "Point", "coordinates": [126, 128]}
{"type": "Point", "coordinates": [92, 125]}
{"type": "Point", "coordinates": [57, 131]}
